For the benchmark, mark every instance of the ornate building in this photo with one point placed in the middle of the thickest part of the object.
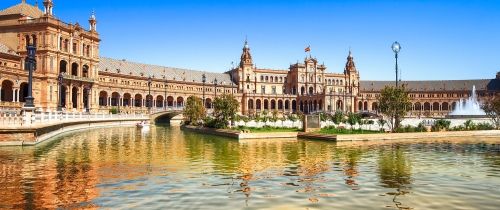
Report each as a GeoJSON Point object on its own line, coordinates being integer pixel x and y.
{"type": "Point", "coordinates": [71, 74]}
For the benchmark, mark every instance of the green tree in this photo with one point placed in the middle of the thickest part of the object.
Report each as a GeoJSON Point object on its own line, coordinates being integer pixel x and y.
{"type": "Point", "coordinates": [194, 111]}
{"type": "Point", "coordinates": [394, 103]}
{"type": "Point", "coordinates": [225, 109]}
{"type": "Point", "coordinates": [492, 109]}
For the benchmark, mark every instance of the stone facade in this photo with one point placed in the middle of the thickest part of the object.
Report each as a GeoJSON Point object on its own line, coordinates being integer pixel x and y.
{"type": "Point", "coordinates": [97, 84]}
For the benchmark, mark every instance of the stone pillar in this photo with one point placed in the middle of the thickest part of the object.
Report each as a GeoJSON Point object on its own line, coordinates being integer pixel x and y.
{"type": "Point", "coordinates": [69, 102]}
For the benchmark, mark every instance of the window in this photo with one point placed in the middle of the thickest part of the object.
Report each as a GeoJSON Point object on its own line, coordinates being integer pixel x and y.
{"type": "Point", "coordinates": [274, 89]}
{"type": "Point", "coordinates": [263, 89]}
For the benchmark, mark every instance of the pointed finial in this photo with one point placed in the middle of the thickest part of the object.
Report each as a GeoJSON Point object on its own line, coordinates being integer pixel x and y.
{"type": "Point", "coordinates": [246, 42]}
{"type": "Point", "coordinates": [23, 1]}
{"type": "Point", "coordinates": [92, 16]}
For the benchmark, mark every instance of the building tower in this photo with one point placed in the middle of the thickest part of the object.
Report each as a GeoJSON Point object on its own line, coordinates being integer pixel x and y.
{"type": "Point", "coordinates": [246, 74]}
{"type": "Point", "coordinates": [93, 22]}
{"type": "Point", "coordinates": [351, 82]}
{"type": "Point", "coordinates": [48, 6]}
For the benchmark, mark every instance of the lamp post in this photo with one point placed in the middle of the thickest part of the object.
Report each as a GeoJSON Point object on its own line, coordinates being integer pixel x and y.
{"type": "Point", "coordinates": [149, 94]}
{"type": "Point", "coordinates": [30, 65]}
{"type": "Point", "coordinates": [215, 84]}
{"type": "Point", "coordinates": [203, 79]}
{"type": "Point", "coordinates": [59, 98]}
{"type": "Point", "coordinates": [396, 47]}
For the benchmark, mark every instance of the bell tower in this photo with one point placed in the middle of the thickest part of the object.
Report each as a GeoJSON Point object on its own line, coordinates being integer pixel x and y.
{"type": "Point", "coordinates": [246, 70]}
{"type": "Point", "coordinates": [351, 82]}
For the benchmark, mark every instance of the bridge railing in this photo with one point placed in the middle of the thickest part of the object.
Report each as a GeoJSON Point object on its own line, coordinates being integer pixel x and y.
{"type": "Point", "coordinates": [21, 120]}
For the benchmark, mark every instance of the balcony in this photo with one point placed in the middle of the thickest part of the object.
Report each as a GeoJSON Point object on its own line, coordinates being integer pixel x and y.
{"type": "Point", "coordinates": [77, 78]}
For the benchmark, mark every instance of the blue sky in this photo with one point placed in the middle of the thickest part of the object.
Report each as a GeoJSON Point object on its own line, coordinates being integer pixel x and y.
{"type": "Point", "coordinates": [440, 39]}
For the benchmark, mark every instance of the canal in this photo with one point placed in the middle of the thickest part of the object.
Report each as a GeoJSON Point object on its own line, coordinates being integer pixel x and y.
{"type": "Point", "coordinates": [166, 168]}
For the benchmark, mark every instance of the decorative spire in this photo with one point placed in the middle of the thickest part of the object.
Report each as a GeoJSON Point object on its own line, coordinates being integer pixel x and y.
{"type": "Point", "coordinates": [350, 66]}
{"type": "Point", "coordinates": [246, 57]}
{"type": "Point", "coordinates": [93, 22]}
{"type": "Point", "coordinates": [48, 5]}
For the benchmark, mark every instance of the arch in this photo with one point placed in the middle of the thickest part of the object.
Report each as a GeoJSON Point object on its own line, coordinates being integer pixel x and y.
{"type": "Point", "coordinates": [103, 98]}
{"type": "Point", "coordinates": [127, 99]}
{"type": "Point", "coordinates": [311, 90]}
{"type": "Point", "coordinates": [62, 96]}
{"type": "Point", "coordinates": [159, 101]}
{"type": "Point", "coordinates": [138, 100]}
{"type": "Point", "coordinates": [258, 104]}
{"type": "Point", "coordinates": [266, 104]}
{"type": "Point", "coordinates": [180, 101]}
{"type": "Point", "coordinates": [302, 90]}
{"type": "Point", "coordinates": [149, 100]}
{"type": "Point", "coordinates": [115, 99]}
{"type": "Point", "coordinates": [320, 105]}
{"type": "Point", "coordinates": [34, 40]}
{"type": "Point", "coordinates": [417, 106]}
{"type": "Point", "coordinates": [63, 66]}
{"type": "Point", "coordinates": [74, 97]}
{"type": "Point", "coordinates": [435, 106]}
{"type": "Point", "coordinates": [74, 69]}
{"type": "Point", "coordinates": [360, 106]}
{"type": "Point", "coordinates": [301, 107]}
{"type": "Point", "coordinates": [427, 106]}
{"type": "Point", "coordinates": [340, 105]}
{"type": "Point", "coordinates": [7, 91]}
{"type": "Point", "coordinates": [273, 104]}
{"type": "Point", "coordinates": [85, 71]}
{"type": "Point", "coordinates": [272, 79]}
{"type": "Point", "coordinates": [374, 106]}
{"type": "Point", "coordinates": [208, 103]}
{"type": "Point", "coordinates": [286, 105]}
{"type": "Point", "coordinates": [365, 106]}
{"type": "Point", "coordinates": [445, 106]}
{"type": "Point", "coordinates": [294, 105]}
{"type": "Point", "coordinates": [250, 103]}
{"type": "Point", "coordinates": [27, 39]}
{"type": "Point", "coordinates": [170, 101]}
{"type": "Point", "coordinates": [23, 92]}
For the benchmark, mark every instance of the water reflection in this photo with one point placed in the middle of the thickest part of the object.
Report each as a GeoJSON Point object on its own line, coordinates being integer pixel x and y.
{"type": "Point", "coordinates": [166, 167]}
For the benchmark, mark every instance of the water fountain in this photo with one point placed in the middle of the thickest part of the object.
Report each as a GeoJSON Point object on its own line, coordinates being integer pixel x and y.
{"type": "Point", "coordinates": [468, 108]}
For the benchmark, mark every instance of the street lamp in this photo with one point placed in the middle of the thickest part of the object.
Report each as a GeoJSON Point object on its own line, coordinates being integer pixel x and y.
{"type": "Point", "coordinates": [396, 47]}
{"type": "Point", "coordinates": [149, 94]}
{"type": "Point", "coordinates": [203, 79]}
{"type": "Point", "coordinates": [215, 84]}
{"type": "Point", "coordinates": [59, 99]}
{"type": "Point", "coordinates": [30, 65]}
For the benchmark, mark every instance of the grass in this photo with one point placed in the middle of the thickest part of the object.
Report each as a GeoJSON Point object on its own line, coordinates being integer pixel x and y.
{"type": "Point", "coordinates": [332, 130]}
{"type": "Point", "coordinates": [266, 129]}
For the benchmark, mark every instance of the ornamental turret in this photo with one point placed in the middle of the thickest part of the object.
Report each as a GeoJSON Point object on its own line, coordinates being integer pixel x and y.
{"type": "Point", "coordinates": [48, 6]}
{"type": "Point", "coordinates": [93, 22]}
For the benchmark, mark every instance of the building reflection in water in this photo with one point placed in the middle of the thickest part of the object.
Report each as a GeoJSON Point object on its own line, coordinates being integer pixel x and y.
{"type": "Point", "coordinates": [77, 170]}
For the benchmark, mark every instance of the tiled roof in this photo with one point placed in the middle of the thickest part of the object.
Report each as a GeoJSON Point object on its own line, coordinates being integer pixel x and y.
{"type": "Point", "coordinates": [138, 69]}
{"type": "Point", "coordinates": [436, 85]}
{"type": "Point", "coordinates": [24, 9]}
{"type": "Point", "coordinates": [6, 50]}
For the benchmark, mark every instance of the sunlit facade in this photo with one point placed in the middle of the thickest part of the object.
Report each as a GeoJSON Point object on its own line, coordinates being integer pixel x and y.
{"type": "Point", "coordinates": [91, 83]}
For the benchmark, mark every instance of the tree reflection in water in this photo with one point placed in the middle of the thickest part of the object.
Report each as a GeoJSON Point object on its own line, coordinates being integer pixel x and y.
{"type": "Point", "coordinates": [395, 172]}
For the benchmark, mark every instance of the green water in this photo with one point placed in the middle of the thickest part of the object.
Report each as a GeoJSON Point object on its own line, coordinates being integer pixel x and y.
{"type": "Point", "coordinates": [166, 168]}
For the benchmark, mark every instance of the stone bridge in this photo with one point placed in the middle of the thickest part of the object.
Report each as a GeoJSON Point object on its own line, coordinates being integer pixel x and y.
{"type": "Point", "coordinates": [173, 116]}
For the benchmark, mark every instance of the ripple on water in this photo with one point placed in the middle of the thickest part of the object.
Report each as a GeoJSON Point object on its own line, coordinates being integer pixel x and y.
{"type": "Point", "coordinates": [122, 168]}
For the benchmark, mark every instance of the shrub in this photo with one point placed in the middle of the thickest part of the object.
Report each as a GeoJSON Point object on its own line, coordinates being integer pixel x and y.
{"type": "Point", "coordinates": [441, 124]}
{"type": "Point", "coordinates": [113, 110]}
{"type": "Point", "coordinates": [485, 126]}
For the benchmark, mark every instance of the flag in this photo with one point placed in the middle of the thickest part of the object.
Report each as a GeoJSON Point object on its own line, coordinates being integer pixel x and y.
{"type": "Point", "coordinates": [308, 49]}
